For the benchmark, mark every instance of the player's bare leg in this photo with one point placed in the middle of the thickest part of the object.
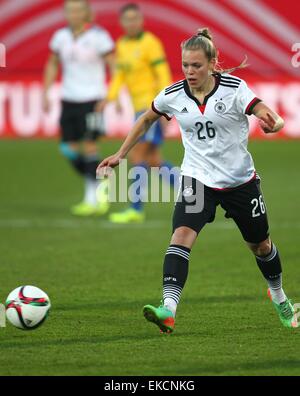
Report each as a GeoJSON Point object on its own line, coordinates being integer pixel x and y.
{"type": "Point", "coordinates": [72, 152]}
{"type": "Point", "coordinates": [268, 261]}
{"type": "Point", "coordinates": [175, 272]}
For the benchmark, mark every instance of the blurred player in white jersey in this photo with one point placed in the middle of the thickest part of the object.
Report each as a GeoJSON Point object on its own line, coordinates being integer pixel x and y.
{"type": "Point", "coordinates": [83, 50]}
{"type": "Point", "coordinates": [211, 107]}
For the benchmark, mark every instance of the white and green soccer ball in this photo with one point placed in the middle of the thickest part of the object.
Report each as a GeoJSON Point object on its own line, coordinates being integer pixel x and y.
{"type": "Point", "coordinates": [27, 307]}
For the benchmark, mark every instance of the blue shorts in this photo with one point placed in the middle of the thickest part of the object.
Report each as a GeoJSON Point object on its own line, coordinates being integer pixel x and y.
{"type": "Point", "coordinates": [154, 134]}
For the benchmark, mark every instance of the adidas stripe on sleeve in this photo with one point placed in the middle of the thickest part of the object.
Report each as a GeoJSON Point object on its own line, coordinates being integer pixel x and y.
{"type": "Point", "coordinates": [159, 105]}
{"type": "Point", "coordinates": [246, 99]}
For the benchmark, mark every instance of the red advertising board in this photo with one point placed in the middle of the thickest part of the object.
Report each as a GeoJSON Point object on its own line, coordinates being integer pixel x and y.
{"type": "Point", "coordinates": [266, 31]}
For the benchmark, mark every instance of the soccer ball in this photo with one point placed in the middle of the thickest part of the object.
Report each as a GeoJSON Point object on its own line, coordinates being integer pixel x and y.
{"type": "Point", "coordinates": [27, 307]}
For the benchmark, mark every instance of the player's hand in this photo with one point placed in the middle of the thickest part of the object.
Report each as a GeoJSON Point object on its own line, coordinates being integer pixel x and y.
{"type": "Point", "coordinates": [105, 167]}
{"type": "Point", "coordinates": [100, 106]}
{"type": "Point", "coordinates": [267, 123]}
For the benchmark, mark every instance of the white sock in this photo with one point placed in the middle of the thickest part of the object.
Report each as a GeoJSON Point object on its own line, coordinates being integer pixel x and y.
{"type": "Point", "coordinates": [90, 191]}
{"type": "Point", "coordinates": [276, 289]}
{"type": "Point", "coordinates": [171, 305]}
{"type": "Point", "coordinates": [278, 295]}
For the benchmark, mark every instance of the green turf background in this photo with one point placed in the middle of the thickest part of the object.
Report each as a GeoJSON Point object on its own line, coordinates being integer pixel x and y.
{"type": "Point", "coordinates": [99, 276]}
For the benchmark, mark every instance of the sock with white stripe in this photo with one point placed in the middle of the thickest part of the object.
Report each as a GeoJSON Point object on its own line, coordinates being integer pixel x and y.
{"type": "Point", "coordinates": [270, 267]}
{"type": "Point", "coordinates": [91, 162]}
{"type": "Point", "coordinates": [90, 192]}
{"type": "Point", "coordinates": [175, 270]}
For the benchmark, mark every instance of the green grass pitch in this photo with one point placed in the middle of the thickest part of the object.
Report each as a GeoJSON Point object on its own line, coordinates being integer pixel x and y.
{"type": "Point", "coordinates": [99, 276]}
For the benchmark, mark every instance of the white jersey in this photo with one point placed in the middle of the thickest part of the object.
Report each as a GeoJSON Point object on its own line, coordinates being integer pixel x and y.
{"type": "Point", "coordinates": [83, 68]}
{"type": "Point", "coordinates": [214, 133]}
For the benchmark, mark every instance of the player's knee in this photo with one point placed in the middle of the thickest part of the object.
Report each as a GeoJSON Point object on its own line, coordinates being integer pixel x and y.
{"type": "Point", "coordinates": [184, 236]}
{"type": "Point", "coordinates": [262, 249]}
{"type": "Point", "coordinates": [135, 158]}
{"type": "Point", "coordinates": [68, 151]}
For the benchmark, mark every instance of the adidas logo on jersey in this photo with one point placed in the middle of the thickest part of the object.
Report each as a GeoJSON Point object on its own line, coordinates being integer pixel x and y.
{"type": "Point", "coordinates": [184, 110]}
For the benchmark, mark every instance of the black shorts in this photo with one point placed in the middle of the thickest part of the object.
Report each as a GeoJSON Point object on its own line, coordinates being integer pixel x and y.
{"type": "Point", "coordinates": [244, 204]}
{"type": "Point", "coordinates": [74, 122]}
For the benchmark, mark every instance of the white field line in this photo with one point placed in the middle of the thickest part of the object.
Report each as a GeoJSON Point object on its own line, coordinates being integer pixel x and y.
{"type": "Point", "coordinates": [74, 223]}
{"type": "Point", "coordinates": [149, 224]}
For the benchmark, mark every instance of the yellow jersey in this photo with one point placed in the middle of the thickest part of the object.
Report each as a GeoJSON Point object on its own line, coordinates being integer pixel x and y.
{"type": "Point", "coordinates": [142, 67]}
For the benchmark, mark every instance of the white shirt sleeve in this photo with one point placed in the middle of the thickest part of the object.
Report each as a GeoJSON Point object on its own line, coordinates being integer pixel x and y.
{"type": "Point", "coordinates": [160, 106]}
{"type": "Point", "coordinates": [246, 99]}
{"type": "Point", "coordinates": [54, 44]}
{"type": "Point", "coordinates": [105, 43]}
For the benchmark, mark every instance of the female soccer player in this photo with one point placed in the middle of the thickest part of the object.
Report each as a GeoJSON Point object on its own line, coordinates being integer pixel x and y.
{"type": "Point", "coordinates": [83, 50]}
{"type": "Point", "coordinates": [143, 68]}
{"type": "Point", "coordinates": [211, 107]}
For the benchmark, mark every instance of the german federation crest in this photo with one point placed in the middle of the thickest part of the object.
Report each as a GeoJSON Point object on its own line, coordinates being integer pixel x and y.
{"type": "Point", "coordinates": [220, 108]}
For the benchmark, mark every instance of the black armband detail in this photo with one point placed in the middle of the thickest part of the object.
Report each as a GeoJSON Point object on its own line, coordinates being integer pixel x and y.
{"type": "Point", "coordinates": [251, 105]}
{"type": "Point", "coordinates": [160, 113]}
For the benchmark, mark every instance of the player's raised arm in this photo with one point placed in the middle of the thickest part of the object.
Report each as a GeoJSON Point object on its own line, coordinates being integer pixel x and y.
{"type": "Point", "coordinates": [139, 129]}
{"type": "Point", "coordinates": [270, 122]}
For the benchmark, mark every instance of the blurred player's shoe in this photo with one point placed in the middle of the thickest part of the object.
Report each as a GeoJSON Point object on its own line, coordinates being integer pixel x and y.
{"type": "Point", "coordinates": [285, 311]}
{"type": "Point", "coordinates": [160, 316]}
{"type": "Point", "coordinates": [84, 210]}
{"type": "Point", "coordinates": [101, 206]}
{"type": "Point", "coordinates": [102, 195]}
{"type": "Point", "coordinates": [127, 216]}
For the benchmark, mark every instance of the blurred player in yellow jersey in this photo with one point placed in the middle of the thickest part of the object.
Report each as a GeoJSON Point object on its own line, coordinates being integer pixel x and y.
{"type": "Point", "coordinates": [141, 67]}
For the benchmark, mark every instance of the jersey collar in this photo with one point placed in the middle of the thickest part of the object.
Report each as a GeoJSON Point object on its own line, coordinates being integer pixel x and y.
{"type": "Point", "coordinates": [138, 37]}
{"type": "Point", "coordinates": [202, 106]}
{"type": "Point", "coordinates": [87, 26]}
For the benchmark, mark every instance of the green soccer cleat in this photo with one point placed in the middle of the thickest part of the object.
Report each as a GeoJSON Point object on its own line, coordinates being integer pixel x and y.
{"type": "Point", "coordinates": [286, 312]}
{"type": "Point", "coordinates": [127, 216]}
{"type": "Point", "coordinates": [85, 210]}
{"type": "Point", "coordinates": [160, 316]}
{"type": "Point", "coordinates": [102, 194]}
{"type": "Point", "coordinates": [100, 208]}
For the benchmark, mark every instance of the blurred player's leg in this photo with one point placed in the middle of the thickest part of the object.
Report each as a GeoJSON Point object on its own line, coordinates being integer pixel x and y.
{"type": "Point", "coordinates": [80, 148]}
{"type": "Point", "coordinates": [92, 203]}
{"type": "Point", "coordinates": [145, 154]}
{"type": "Point", "coordinates": [71, 151]}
